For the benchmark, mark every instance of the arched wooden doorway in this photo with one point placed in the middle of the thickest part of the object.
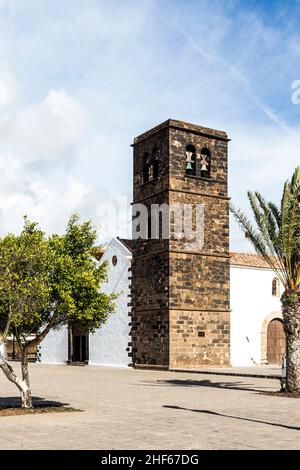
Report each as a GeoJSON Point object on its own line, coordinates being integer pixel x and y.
{"type": "Point", "coordinates": [276, 342]}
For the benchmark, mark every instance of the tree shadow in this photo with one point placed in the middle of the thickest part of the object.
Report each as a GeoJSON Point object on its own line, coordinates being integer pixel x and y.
{"type": "Point", "coordinates": [214, 413]}
{"type": "Point", "coordinates": [38, 402]}
{"type": "Point", "coordinates": [208, 383]}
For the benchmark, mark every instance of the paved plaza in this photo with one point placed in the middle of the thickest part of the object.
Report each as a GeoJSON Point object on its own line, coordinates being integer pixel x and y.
{"type": "Point", "coordinates": [140, 409]}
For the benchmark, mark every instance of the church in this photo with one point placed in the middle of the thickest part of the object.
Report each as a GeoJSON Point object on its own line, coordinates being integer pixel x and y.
{"type": "Point", "coordinates": [182, 303]}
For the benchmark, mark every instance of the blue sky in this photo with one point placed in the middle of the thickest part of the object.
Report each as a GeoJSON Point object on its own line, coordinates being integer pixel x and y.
{"type": "Point", "coordinates": [80, 78]}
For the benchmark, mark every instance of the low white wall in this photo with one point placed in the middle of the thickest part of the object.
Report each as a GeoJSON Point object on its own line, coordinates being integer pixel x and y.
{"type": "Point", "coordinates": [54, 348]}
{"type": "Point", "coordinates": [251, 301]}
{"type": "Point", "coordinates": [108, 344]}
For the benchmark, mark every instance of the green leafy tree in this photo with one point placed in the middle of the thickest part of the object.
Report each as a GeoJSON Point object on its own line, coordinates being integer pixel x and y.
{"type": "Point", "coordinates": [275, 235]}
{"type": "Point", "coordinates": [46, 283]}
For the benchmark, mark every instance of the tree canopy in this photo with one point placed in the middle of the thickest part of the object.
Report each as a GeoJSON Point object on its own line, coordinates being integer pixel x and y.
{"type": "Point", "coordinates": [46, 282]}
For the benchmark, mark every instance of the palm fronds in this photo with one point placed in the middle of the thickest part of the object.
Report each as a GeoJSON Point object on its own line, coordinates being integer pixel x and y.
{"type": "Point", "coordinates": [275, 234]}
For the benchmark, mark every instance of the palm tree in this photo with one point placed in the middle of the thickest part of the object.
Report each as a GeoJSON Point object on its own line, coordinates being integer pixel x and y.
{"type": "Point", "coordinates": [275, 235]}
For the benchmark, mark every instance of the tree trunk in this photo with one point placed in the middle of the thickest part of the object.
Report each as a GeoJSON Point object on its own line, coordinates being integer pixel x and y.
{"type": "Point", "coordinates": [291, 321]}
{"type": "Point", "coordinates": [26, 398]}
{"type": "Point", "coordinates": [26, 393]}
{"type": "Point", "coordinates": [22, 386]}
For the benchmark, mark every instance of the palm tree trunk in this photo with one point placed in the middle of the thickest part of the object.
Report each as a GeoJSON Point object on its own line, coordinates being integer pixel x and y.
{"type": "Point", "coordinates": [291, 320]}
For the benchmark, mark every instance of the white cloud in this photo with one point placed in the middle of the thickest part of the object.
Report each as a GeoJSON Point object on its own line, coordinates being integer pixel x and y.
{"type": "Point", "coordinates": [259, 160]}
{"type": "Point", "coordinates": [8, 90]}
{"type": "Point", "coordinates": [50, 203]}
{"type": "Point", "coordinates": [51, 126]}
{"type": "Point", "coordinates": [41, 133]}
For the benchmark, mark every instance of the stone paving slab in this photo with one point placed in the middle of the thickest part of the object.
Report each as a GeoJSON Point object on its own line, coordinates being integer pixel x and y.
{"type": "Point", "coordinates": [143, 409]}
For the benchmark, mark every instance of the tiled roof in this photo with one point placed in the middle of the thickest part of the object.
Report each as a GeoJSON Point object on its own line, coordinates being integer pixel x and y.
{"type": "Point", "coordinates": [127, 243]}
{"type": "Point", "coordinates": [248, 259]}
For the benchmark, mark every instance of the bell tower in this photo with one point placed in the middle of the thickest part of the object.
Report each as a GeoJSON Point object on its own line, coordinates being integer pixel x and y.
{"type": "Point", "coordinates": [180, 283]}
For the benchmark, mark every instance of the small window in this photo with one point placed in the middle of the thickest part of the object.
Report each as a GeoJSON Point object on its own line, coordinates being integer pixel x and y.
{"type": "Point", "coordinates": [114, 260]}
{"type": "Point", "coordinates": [204, 163]}
{"type": "Point", "coordinates": [190, 162]}
{"type": "Point", "coordinates": [275, 287]}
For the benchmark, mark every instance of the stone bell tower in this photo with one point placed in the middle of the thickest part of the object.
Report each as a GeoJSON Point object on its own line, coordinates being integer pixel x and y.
{"type": "Point", "coordinates": [180, 288]}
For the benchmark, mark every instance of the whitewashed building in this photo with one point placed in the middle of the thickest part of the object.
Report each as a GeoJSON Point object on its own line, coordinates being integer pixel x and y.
{"type": "Point", "coordinates": [108, 346]}
{"type": "Point", "coordinates": [256, 328]}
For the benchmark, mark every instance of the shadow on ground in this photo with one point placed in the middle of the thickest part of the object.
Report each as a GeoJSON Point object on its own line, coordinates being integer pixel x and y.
{"type": "Point", "coordinates": [214, 413]}
{"type": "Point", "coordinates": [208, 383]}
{"type": "Point", "coordinates": [38, 402]}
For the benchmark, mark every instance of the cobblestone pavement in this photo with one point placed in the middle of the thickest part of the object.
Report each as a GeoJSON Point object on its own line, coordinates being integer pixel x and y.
{"type": "Point", "coordinates": [140, 409]}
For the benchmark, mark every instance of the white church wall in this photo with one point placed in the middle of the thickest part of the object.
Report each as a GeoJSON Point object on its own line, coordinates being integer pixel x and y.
{"type": "Point", "coordinates": [251, 301]}
{"type": "Point", "coordinates": [108, 344]}
{"type": "Point", "coordinates": [54, 348]}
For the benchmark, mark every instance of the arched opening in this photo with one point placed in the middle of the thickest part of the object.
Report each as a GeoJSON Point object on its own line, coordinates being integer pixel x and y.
{"type": "Point", "coordinates": [205, 163]}
{"type": "Point", "coordinates": [190, 162]}
{"type": "Point", "coordinates": [277, 315]}
{"type": "Point", "coordinates": [276, 342]}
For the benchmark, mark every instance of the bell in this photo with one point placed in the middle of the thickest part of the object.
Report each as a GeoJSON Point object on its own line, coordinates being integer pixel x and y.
{"type": "Point", "coordinates": [189, 155]}
{"type": "Point", "coordinates": [204, 163]}
{"type": "Point", "coordinates": [188, 164]}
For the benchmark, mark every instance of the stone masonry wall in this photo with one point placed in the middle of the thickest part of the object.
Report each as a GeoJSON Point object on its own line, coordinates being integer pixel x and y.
{"type": "Point", "coordinates": [199, 339]}
{"type": "Point", "coordinates": [150, 264]}
{"type": "Point", "coordinates": [199, 280]}
{"type": "Point", "coordinates": [180, 296]}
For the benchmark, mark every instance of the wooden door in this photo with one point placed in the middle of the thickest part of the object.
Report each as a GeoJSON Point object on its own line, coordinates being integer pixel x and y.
{"type": "Point", "coordinates": [276, 343]}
